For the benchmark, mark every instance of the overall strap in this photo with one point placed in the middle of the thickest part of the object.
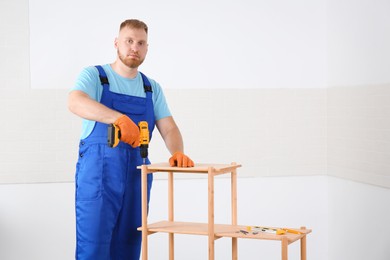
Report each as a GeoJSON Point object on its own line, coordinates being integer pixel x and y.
{"type": "Point", "coordinates": [105, 83]}
{"type": "Point", "coordinates": [102, 76]}
{"type": "Point", "coordinates": [147, 85]}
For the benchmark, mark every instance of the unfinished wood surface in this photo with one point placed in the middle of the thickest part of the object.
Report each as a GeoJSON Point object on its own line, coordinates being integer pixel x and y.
{"type": "Point", "coordinates": [171, 215]}
{"type": "Point", "coordinates": [211, 212]}
{"type": "Point", "coordinates": [284, 248]}
{"type": "Point", "coordinates": [303, 246]}
{"type": "Point", "coordinates": [198, 168]}
{"type": "Point", "coordinates": [144, 195]}
{"type": "Point", "coordinates": [233, 184]}
{"type": "Point", "coordinates": [221, 230]}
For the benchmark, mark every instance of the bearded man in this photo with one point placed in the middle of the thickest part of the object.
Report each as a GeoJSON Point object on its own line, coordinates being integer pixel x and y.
{"type": "Point", "coordinates": [108, 183]}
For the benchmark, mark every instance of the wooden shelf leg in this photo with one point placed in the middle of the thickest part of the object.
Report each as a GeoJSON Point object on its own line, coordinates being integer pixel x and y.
{"type": "Point", "coordinates": [303, 246]}
{"type": "Point", "coordinates": [171, 246]}
{"type": "Point", "coordinates": [144, 195]}
{"type": "Point", "coordinates": [234, 210]}
{"type": "Point", "coordinates": [234, 249]}
{"type": "Point", "coordinates": [284, 248]}
{"type": "Point", "coordinates": [171, 215]}
{"type": "Point", "coordinates": [211, 212]}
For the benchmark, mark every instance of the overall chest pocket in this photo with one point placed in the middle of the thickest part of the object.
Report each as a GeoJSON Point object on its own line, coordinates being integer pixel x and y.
{"type": "Point", "coordinates": [130, 105]}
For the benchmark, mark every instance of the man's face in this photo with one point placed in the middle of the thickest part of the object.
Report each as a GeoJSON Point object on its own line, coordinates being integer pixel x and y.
{"type": "Point", "coordinates": [132, 46]}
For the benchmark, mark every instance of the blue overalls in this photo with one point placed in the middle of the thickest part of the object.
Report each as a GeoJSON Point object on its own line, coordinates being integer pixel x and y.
{"type": "Point", "coordinates": [108, 184]}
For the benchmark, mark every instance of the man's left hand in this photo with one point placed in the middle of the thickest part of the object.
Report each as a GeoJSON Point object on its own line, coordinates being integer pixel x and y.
{"type": "Point", "coordinates": [179, 159]}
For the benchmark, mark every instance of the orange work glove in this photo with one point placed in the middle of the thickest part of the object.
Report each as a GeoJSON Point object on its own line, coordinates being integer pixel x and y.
{"type": "Point", "coordinates": [179, 159]}
{"type": "Point", "coordinates": [129, 130]}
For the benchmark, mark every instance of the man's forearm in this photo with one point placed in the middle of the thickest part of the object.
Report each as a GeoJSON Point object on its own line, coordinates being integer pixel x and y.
{"type": "Point", "coordinates": [82, 105]}
{"type": "Point", "coordinates": [174, 141]}
{"type": "Point", "coordinates": [171, 134]}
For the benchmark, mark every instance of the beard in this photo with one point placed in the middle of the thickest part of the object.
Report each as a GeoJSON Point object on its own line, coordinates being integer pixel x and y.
{"type": "Point", "coordinates": [130, 62]}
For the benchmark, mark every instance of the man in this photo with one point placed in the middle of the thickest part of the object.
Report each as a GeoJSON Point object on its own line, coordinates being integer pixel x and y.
{"type": "Point", "coordinates": [108, 192]}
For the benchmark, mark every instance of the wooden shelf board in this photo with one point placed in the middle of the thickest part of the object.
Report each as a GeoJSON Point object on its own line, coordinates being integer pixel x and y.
{"type": "Point", "coordinates": [198, 168]}
{"type": "Point", "coordinates": [221, 230]}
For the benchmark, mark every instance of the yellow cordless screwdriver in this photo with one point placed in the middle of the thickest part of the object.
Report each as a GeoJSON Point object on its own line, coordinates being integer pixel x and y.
{"type": "Point", "coordinates": [144, 139]}
{"type": "Point", "coordinates": [114, 135]}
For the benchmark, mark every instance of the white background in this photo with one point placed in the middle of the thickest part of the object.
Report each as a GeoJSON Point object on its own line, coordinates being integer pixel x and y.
{"type": "Point", "coordinates": [193, 44]}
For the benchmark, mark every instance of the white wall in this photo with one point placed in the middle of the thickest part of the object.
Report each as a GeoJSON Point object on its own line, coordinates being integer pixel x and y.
{"type": "Point", "coordinates": [272, 132]}
{"type": "Point", "coordinates": [359, 90]}
{"type": "Point", "coordinates": [359, 133]}
{"type": "Point", "coordinates": [358, 129]}
{"type": "Point", "coordinates": [193, 44]}
{"type": "Point", "coordinates": [358, 38]}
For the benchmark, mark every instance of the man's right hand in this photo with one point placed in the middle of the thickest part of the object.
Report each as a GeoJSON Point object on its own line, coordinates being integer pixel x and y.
{"type": "Point", "coordinates": [129, 130]}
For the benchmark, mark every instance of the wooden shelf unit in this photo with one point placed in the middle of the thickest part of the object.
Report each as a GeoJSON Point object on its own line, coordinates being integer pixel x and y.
{"type": "Point", "coordinates": [210, 229]}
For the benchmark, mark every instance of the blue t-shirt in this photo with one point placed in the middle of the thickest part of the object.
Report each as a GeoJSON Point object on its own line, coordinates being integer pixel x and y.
{"type": "Point", "coordinates": [89, 82]}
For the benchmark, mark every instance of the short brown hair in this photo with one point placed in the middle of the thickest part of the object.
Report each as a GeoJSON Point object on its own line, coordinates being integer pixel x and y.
{"type": "Point", "coordinates": [134, 24]}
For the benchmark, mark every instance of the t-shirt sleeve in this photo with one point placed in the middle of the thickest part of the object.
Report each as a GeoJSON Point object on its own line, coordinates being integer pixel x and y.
{"type": "Point", "coordinates": [161, 108]}
{"type": "Point", "coordinates": [88, 82]}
